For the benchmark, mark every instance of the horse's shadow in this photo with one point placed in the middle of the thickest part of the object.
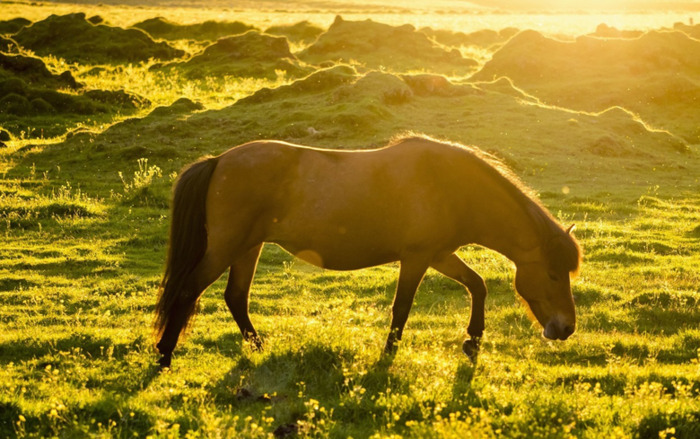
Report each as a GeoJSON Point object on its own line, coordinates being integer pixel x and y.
{"type": "Point", "coordinates": [286, 380]}
{"type": "Point", "coordinates": [312, 370]}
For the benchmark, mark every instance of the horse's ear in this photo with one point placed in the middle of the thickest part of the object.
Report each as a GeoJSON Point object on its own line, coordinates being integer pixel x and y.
{"type": "Point", "coordinates": [571, 229]}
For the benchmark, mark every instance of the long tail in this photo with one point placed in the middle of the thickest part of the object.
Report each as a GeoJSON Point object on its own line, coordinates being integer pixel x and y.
{"type": "Point", "coordinates": [188, 237]}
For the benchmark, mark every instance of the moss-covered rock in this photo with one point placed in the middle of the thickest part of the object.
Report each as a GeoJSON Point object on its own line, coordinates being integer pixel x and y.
{"type": "Point", "coordinates": [75, 39]}
{"type": "Point", "coordinates": [160, 27]}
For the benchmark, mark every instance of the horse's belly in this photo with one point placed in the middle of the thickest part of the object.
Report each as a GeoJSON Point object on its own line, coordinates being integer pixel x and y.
{"type": "Point", "coordinates": [340, 254]}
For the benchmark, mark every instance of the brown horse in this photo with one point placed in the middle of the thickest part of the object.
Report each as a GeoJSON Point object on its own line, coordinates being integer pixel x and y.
{"type": "Point", "coordinates": [416, 201]}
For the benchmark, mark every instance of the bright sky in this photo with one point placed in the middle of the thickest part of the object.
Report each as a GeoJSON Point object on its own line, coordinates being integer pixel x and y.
{"type": "Point", "coordinates": [590, 5]}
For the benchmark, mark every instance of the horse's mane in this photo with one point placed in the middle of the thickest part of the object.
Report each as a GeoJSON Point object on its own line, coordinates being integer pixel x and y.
{"type": "Point", "coordinates": [563, 250]}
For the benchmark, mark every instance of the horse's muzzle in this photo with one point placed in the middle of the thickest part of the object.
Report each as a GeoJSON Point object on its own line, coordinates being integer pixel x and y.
{"type": "Point", "coordinates": [556, 330]}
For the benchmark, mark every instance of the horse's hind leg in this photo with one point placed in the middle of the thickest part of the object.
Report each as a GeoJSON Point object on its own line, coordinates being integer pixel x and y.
{"type": "Point", "coordinates": [454, 268]}
{"type": "Point", "coordinates": [237, 292]}
{"type": "Point", "coordinates": [205, 273]}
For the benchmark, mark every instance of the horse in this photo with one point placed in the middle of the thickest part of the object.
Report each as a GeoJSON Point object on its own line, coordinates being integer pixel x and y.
{"type": "Point", "coordinates": [415, 201]}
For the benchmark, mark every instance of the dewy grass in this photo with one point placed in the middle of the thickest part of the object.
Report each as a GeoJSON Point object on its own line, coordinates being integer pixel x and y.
{"type": "Point", "coordinates": [79, 271]}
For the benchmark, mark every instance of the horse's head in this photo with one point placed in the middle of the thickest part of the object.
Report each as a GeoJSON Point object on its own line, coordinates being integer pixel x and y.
{"type": "Point", "coordinates": [544, 284]}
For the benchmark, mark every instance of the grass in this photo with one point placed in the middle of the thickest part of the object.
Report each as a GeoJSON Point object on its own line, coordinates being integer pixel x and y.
{"type": "Point", "coordinates": [84, 223]}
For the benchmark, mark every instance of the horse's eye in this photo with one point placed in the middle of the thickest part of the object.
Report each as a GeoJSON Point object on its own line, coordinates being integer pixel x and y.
{"type": "Point", "coordinates": [554, 277]}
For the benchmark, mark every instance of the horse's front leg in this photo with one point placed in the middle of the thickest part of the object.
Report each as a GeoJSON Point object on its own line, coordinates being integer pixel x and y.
{"type": "Point", "coordinates": [238, 291]}
{"type": "Point", "coordinates": [454, 268]}
{"type": "Point", "coordinates": [410, 277]}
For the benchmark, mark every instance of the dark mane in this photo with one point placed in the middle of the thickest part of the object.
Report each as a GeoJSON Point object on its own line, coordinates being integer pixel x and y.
{"type": "Point", "coordinates": [562, 248]}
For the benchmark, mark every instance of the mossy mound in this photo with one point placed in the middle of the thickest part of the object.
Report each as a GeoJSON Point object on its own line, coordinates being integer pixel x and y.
{"type": "Point", "coordinates": [303, 32]}
{"type": "Point", "coordinates": [436, 85]}
{"type": "Point", "coordinates": [691, 30]}
{"type": "Point", "coordinates": [159, 27]}
{"type": "Point", "coordinates": [31, 103]}
{"type": "Point", "coordinates": [181, 106]}
{"type": "Point", "coordinates": [318, 82]}
{"type": "Point", "coordinates": [34, 71]}
{"type": "Point", "coordinates": [16, 97]}
{"type": "Point", "coordinates": [248, 55]}
{"type": "Point", "coordinates": [655, 75]}
{"type": "Point", "coordinates": [10, 27]}
{"type": "Point", "coordinates": [605, 31]}
{"type": "Point", "coordinates": [381, 46]}
{"type": "Point", "coordinates": [481, 38]}
{"type": "Point", "coordinates": [75, 39]}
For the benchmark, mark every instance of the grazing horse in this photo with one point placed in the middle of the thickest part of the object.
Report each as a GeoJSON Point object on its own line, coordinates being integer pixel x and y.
{"type": "Point", "coordinates": [416, 201]}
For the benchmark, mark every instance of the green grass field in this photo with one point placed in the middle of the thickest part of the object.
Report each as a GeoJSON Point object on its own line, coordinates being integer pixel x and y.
{"type": "Point", "coordinates": [84, 221]}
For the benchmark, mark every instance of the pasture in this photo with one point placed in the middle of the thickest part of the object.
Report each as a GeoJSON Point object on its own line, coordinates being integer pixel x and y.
{"type": "Point", "coordinates": [603, 128]}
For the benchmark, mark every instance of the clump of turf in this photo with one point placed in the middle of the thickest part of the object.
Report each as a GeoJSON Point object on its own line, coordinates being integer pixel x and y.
{"type": "Point", "coordinates": [75, 39]}
{"type": "Point", "coordinates": [10, 27]}
{"type": "Point", "coordinates": [381, 46]}
{"type": "Point", "coordinates": [251, 54]}
{"type": "Point", "coordinates": [160, 27]}
{"type": "Point", "coordinates": [302, 31]}
{"type": "Point", "coordinates": [655, 75]}
{"type": "Point", "coordinates": [481, 38]}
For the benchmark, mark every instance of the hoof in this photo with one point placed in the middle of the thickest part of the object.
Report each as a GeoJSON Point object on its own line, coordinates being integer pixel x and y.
{"type": "Point", "coordinates": [255, 343]}
{"type": "Point", "coordinates": [471, 348]}
{"type": "Point", "coordinates": [164, 361]}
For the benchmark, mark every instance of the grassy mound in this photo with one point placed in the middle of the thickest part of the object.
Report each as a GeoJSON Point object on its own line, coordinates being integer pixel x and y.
{"type": "Point", "coordinates": [481, 38]}
{"type": "Point", "coordinates": [34, 71]}
{"type": "Point", "coordinates": [339, 107]}
{"type": "Point", "coordinates": [691, 30]}
{"type": "Point", "coordinates": [208, 31]}
{"type": "Point", "coordinates": [10, 27]}
{"type": "Point", "coordinates": [655, 75]}
{"type": "Point", "coordinates": [249, 55]}
{"type": "Point", "coordinates": [30, 102]}
{"type": "Point", "coordinates": [605, 31]}
{"type": "Point", "coordinates": [381, 46]}
{"type": "Point", "coordinates": [75, 39]}
{"type": "Point", "coordinates": [303, 31]}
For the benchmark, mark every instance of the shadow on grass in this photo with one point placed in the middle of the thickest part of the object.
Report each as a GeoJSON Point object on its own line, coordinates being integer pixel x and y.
{"type": "Point", "coordinates": [108, 416]}
{"type": "Point", "coordinates": [88, 345]}
{"type": "Point", "coordinates": [314, 370]}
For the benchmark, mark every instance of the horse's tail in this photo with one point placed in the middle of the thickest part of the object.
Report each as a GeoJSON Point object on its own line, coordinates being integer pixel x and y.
{"type": "Point", "coordinates": [188, 238]}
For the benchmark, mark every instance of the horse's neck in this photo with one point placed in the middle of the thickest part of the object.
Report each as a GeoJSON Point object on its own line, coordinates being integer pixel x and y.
{"type": "Point", "coordinates": [513, 231]}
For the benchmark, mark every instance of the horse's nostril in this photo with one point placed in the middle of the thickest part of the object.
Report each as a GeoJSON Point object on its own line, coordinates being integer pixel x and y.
{"type": "Point", "coordinates": [567, 331]}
